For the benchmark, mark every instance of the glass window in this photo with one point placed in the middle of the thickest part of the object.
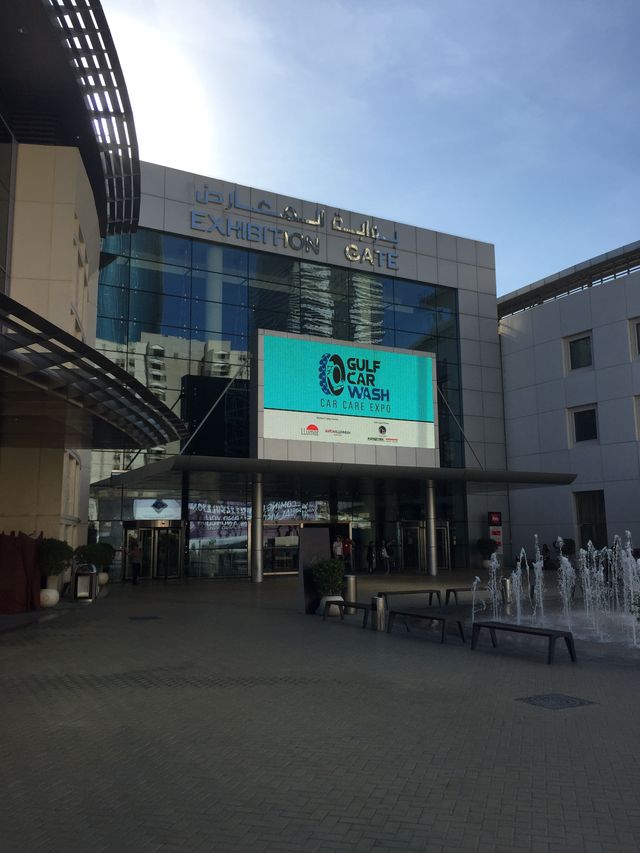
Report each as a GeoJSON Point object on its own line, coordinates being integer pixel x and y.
{"type": "Point", "coordinates": [174, 338]}
{"type": "Point", "coordinates": [447, 299]}
{"type": "Point", "coordinates": [219, 287]}
{"type": "Point", "coordinates": [370, 289]}
{"type": "Point", "coordinates": [278, 268]}
{"type": "Point", "coordinates": [159, 309]}
{"type": "Point", "coordinates": [274, 297]}
{"type": "Point", "coordinates": [412, 293]}
{"type": "Point", "coordinates": [447, 323]}
{"type": "Point", "coordinates": [580, 352]}
{"type": "Point", "coordinates": [222, 259]}
{"type": "Point", "coordinates": [117, 244]}
{"type": "Point", "coordinates": [411, 319]}
{"type": "Point", "coordinates": [637, 329]}
{"type": "Point", "coordinates": [161, 247]}
{"type": "Point", "coordinates": [110, 330]}
{"type": "Point", "coordinates": [219, 317]}
{"type": "Point", "coordinates": [413, 340]}
{"type": "Point", "coordinates": [585, 424]}
{"type": "Point", "coordinates": [160, 278]}
{"type": "Point", "coordinates": [114, 270]}
{"type": "Point", "coordinates": [113, 302]}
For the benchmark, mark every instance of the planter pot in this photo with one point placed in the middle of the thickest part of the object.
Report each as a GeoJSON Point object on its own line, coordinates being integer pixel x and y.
{"type": "Point", "coordinates": [103, 578]}
{"type": "Point", "coordinates": [333, 611]}
{"type": "Point", "coordinates": [49, 597]}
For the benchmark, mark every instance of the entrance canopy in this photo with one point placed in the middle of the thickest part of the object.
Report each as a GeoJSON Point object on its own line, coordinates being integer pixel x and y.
{"type": "Point", "coordinates": [56, 391]}
{"type": "Point", "coordinates": [168, 472]}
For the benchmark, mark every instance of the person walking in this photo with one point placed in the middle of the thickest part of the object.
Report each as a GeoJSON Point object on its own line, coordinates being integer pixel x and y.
{"type": "Point", "coordinates": [347, 553]}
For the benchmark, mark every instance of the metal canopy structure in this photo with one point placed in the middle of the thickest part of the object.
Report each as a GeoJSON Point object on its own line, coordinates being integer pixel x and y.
{"type": "Point", "coordinates": [170, 470]}
{"type": "Point", "coordinates": [61, 84]}
{"type": "Point", "coordinates": [56, 391]}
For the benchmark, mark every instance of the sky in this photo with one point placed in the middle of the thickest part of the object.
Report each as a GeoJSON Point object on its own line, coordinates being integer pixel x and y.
{"type": "Point", "coordinates": [516, 122]}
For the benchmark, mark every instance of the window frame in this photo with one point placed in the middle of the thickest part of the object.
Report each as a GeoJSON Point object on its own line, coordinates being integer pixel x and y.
{"type": "Point", "coordinates": [574, 339]}
{"type": "Point", "coordinates": [577, 410]}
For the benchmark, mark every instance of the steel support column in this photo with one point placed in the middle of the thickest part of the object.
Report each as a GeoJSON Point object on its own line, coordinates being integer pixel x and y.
{"type": "Point", "coordinates": [432, 545]}
{"type": "Point", "coordinates": [256, 529]}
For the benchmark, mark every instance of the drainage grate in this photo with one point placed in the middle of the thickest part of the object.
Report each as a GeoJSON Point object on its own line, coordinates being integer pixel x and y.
{"type": "Point", "coordinates": [555, 701]}
{"type": "Point", "coordinates": [143, 618]}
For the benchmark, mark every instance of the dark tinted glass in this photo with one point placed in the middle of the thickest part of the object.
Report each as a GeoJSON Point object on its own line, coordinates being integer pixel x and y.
{"type": "Point", "coordinates": [223, 259]}
{"type": "Point", "coordinates": [412, 293]}
{"type": "Point", "coordinates": [585, 425]}
{"type": "Point", "coordinates": [580, 352]}
{"type": "Point", "coordinates": [160, 278]}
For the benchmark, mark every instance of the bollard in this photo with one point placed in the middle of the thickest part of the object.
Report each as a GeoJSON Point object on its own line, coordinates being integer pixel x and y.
{"type": "Point", "coordinates": [378, 613]}
{"type": "Point", "coordinates": [506, 590]}
{"type": "Point", "coordinates": [351, 591]}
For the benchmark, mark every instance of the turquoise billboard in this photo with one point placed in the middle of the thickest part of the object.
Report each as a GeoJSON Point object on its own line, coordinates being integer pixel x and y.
{"type": "Point", "coordinates": [339, 379]}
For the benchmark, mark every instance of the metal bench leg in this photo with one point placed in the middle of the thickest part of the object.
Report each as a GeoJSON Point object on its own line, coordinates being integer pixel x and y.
{"type": "Point", "coordinates": [365, 617]}
{"type": "Point", "coordinates": [455, 597]}
{"type": "Point", "coordinates": [552, 648]}
{"type": "Point", "coordinates": [430, 598]}
{"type": "Point", "coordinates": [390, 619]}
{"type": "Point", "coordinates": [474, 636]}
{"type": "Point", "coordinates": [447, 597]}
{"type": "Point", "coordinates": [443, 635]}
{"type": "Point", "coordinates": [494, 639]}
{"type": "Point", "coordinates": [572, 648]}
{"type": "Point", "coordinates": [439, 598]}
{"type": "Point", "coordinates": [461, 630]}
{"type": "Point", "coordinates": [341, 609]}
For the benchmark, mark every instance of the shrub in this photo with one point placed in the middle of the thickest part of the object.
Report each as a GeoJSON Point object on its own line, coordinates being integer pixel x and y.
{"type": "Point", "coordinates": [100, 554]}
{"type": "Point", "coordinates": [328, 576]}
{"type": "Point", "coordinates": [54, 556]}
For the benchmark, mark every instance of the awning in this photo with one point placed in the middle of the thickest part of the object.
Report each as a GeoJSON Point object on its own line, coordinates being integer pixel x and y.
{"type": "Point", "coordinates": [168, 472]}
{"type": "Point", "coordinates": [56, 391]}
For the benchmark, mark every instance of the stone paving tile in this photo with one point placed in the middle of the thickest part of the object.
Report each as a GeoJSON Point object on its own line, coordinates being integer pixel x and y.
{"type": "Point", "coordinates": [233, 723]}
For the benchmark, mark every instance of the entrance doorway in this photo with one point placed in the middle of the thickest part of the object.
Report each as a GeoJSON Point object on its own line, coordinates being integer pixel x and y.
{"type": "Point", "coordinates": [161, 545]}
{"type": "Point", "coordinates": [413, 546]}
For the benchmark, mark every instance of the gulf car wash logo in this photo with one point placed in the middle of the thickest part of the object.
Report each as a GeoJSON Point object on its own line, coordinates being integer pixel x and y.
{"type": "Point", "coordinates": [353, 381]}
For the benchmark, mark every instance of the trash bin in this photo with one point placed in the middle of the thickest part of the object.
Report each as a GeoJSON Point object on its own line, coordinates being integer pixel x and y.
{"type": "Point", "coordinates": [351, 591]}
{"type": "Point", "coordinates": [378, 613]}
{"type": "Point", "coordinates": [85, 583]}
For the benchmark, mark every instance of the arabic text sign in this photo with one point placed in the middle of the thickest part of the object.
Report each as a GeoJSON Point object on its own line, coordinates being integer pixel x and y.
{"type": "Point", "coordinates": [335, 392]}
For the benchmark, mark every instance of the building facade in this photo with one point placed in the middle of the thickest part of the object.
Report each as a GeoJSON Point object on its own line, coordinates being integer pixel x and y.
{"type": "Point", "coordinates": [211, 263]}
{"type": "Point", "coordinates": [571, 378]}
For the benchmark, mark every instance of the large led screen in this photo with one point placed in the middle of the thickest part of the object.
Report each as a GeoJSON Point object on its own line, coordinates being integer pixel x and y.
{"type": "Point", "coordinates": [345, 394]}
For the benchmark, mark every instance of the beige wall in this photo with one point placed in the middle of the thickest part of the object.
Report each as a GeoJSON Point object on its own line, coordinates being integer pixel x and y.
{"type": "Point", "coordinates": [55, 254]}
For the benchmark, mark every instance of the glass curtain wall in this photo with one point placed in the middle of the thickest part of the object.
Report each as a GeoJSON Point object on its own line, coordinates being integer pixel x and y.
{"type": "Point", "coordinates": [179, 314]}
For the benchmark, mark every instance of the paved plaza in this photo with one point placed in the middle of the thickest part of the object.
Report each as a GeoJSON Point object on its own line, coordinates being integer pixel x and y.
{"type": "Point", "coordinates": [214, 717]}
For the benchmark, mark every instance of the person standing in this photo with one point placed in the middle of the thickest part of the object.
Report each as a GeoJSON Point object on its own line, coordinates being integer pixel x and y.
{"type": "Point", "coordinates": [384, 557]}
{"type": "Point", "coordinates": [347, 553]}
{"type": "Point", "coordinates": [337, 548]}
{"type": "Point", "coordinates": [135, 559]}
{"type": "Point", "coordinates": [371, 558]}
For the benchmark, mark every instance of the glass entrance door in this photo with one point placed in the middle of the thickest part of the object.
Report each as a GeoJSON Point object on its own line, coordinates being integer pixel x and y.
{"type": "Point", "coordinates": [160, 549]}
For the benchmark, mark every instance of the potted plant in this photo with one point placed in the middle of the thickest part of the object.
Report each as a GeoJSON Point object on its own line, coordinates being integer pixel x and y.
{"type": "Point", "coordinates": [54, 556]}
{"type": "Point", "coordinates": [328, 577]}
{"type": "Point", "coordinates": [99, 554]}
{"type": "Point", "coordinates": [486, 547]}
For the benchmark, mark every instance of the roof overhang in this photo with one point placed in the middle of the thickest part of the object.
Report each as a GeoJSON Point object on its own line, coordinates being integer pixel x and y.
{"type": "Point", "coordinates": [61, 84]}
{"type": "Point", "coordinates": [56, 391]}
{"type": "Point", "coordinates": [172, 468]}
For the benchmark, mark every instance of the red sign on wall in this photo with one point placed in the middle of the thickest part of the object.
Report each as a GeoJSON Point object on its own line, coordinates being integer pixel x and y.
{"type": "Point", "coordinates": [495, 519]}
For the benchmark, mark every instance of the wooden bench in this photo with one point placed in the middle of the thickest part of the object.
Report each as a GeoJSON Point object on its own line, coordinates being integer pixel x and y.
{"type": "Point", "coordinates": [433, 616]}
{"type": "Point", "coordinates": [349, 605]}
{"type": "Point", "coordinates": [552, 633]}
{"type": "Point", "coordinates": [390, 593]}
